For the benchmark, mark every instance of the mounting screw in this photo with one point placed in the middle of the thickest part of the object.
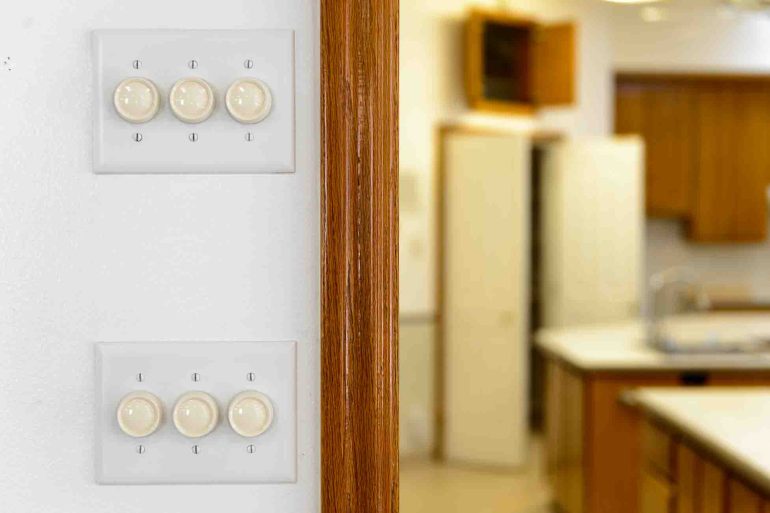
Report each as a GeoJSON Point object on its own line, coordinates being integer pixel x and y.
{"type": "Point", "coordinates": [248, 64]}
{"type": "Point", "coordinates": [137, 137]}
{"type": "Point", "coordinates": [251, 376]}
{"type": "Point", "coordinates": [249, 136]}
{"type": "Point", "coordinates": [140, 377]}
{"type": "Point", "coordinates": [136, 64]}
{"type": "Point", "coordinates": [193, 137]}
{"type": "Point", "coordinates": [140, 449]}
{"type": "Point", "coordinates": [193, 64]}
{"type": "Point", "coordinates": [251, 449]}
{"type": "Point", "coordinates": [196, 377]}
{"type": "Point", "coordinates": [195, 449]}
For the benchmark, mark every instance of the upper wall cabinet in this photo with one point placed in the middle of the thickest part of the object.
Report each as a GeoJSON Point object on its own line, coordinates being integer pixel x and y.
{"type": "Point", "coordinates": [707, 151]}
{"type": "Point", "coordinates": [664, 114]}
{"type": "Point", "coordinates": [515, 64]}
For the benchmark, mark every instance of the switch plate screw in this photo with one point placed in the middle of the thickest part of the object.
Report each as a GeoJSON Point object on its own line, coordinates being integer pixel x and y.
{"type": "Point", "coordinates": [136, 64]}
{"type": "Point", "coordinates": [251, 376]}
{"type": "Point", "coordinates": [196, 377]}
{"type": "Point", "coordinates": [251, 449]}
{"type": "Point", "coordinates": [195, 449]}
{"type": "Point", "coordinates": [137, 137]}
{"type": "Point", "coordinates": [193, 137]}
{"type": "Point", "coordinates": [248, 64]}
{"type": "Point", "coordinates": [140, 449]}
{"type": "Point", "coordinates": [249, 136]}
{"type": "Point", "coordinates": [140, 377]}
{"type": "Point", "coordinates": [193, 64]}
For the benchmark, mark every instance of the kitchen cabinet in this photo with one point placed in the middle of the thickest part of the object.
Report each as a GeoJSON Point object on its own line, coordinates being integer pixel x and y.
{"type": "Point", "coordinates": [592, 230]}
{"type": "Point", "coordinates": [700, 483]}
{"type": "Point", "coordinates": [484, 296]}
{"type": "Point", "coordinates": [707, 159]}
{"type": "Point", "coordinates": [664, 114]}
{"type": "Point", "coordinates": [595, 443]}
{"type": "Point", "coordinates": [516, 64]}
{"type": "Point", "coordinates": [729, 195]}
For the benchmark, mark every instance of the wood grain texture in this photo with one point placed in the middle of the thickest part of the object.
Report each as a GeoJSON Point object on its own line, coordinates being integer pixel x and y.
{"type": "Point", "coordinates": [664, 115]}
{"type": "Point", "coordinates": [733, 159]}
{"type": "Point", "coordinates": [555, 66]}
{"type": "Point", "coordinates": [707, 160]}
{"type": "Point", "coordinates": [359, 256]}
{"type": "Point", "coordinates": [742, 499]}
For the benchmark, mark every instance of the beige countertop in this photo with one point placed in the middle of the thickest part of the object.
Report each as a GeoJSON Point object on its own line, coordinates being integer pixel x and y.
{"type": "Point", "coordinates": [731, 425]}
{"type": "Point", "coordinates": [622, 347]}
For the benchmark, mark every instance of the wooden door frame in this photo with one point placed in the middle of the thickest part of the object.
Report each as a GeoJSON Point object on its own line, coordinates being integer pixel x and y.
{"type": "Point", "coordinates": [359, 256]}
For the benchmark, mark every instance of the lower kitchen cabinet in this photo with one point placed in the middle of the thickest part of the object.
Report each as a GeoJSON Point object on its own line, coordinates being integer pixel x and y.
{"type": "Point", "coordinates": [595, 444]}
{"type": "Point", "coordinates": [698, 483]}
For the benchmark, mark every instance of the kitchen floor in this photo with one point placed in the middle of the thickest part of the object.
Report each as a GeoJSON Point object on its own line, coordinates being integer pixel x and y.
{"type": "Point", "coordinates": [431, 487]}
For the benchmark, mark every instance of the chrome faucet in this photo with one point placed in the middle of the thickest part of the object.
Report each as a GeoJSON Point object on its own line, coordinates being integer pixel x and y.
{"type": "Point", "coordinates": [687, 294]}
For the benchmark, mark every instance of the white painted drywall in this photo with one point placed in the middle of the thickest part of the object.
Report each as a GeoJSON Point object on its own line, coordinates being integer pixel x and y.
{"type": "Point", "coordinates": [87, 258]}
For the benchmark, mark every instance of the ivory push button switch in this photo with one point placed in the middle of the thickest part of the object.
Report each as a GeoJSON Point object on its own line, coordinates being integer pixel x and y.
{"type": "Point", "coordinates": [191, 100]}
{"type": "Point", "coordinates": [196, 414]}
{"type": "Point", "coordinates": [248, 100]}
{"type": "Point", "coordinates": [250, 413]}
{"type": "Point", "coordinates": [139, 414]}
{"type": "Point", "coordinates": [136, 100]}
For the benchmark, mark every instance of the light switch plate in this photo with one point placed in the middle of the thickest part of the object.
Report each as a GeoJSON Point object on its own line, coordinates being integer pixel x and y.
{"type": "Point", "coordinates": [223, 370]}
{"type": "Point", "coordinates": [222, 144]}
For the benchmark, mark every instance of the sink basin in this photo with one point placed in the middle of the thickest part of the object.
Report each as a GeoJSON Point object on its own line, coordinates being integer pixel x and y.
{"type": "Point", "coordinates": [714, 333]}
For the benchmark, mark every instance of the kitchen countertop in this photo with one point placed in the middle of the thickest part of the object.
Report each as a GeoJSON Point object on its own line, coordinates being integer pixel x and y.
{"type": "Point", "coordinates": [622, 347]}
{"type": "Point", "coordinates": [729, 424]}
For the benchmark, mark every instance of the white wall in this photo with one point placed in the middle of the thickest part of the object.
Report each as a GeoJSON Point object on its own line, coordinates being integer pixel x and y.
{"type": "Point", "coordinates": [702, 36]}
{"type": "Point", "coordinates": [87, 258]}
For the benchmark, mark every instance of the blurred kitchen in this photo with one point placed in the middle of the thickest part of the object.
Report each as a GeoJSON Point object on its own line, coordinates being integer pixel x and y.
{"type": "Point", "coordinates": [585, 263]}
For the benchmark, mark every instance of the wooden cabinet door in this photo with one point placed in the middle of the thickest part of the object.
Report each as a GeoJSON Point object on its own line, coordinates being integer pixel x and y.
{"type": "Point", "coordinates": [689, 468]}
{"type": "Point", "coordinates": [663, 114]}
{"type": "Point", "coordinates": [730, 203]}
{"type": "Point", "coordinates": [713, 489]}
{"type": "Point", "coordinates": [741, 499]}
{"type": "Point", "coordinates": [553, 71]}
{"type": "Point", "coordinates": [656, 495]}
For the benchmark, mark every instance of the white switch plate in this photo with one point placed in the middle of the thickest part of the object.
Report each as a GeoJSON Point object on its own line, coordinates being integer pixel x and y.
{"type": "Point", "coordinates": [221, 145]}
{"type": "Point", "coordinates": [223, 369]}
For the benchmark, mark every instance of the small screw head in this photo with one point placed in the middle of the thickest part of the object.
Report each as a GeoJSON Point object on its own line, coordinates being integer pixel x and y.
{"type": "Point", "coordinates": [193, 137]}
{"type": "Point", "coordinates": [251, 449]}
{"type": "Point", "coordinates": [136, 64]}
{"type": "Point", "coordinates": [249, 136]}
{"type": "Point", "coordinates": [248, 64]}
{"type": "Point", "coordinates": [195, 449]}
{"type": "Point", "coordinates": [140, 449]}
{"type": "Point", "coordinates": [140, 377]}
{"type": "Point", "coordinates": [251, 376]}
{"type": "Point", "coordinates": [193, 64]}
{"type": "Point", "coordinates": [196, 377]}
{"type": "Point", "coordinates": [137, 137]}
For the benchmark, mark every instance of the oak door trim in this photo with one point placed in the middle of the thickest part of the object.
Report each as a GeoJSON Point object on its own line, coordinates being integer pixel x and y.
{"type": "Point", "coordinates": [359, 256]}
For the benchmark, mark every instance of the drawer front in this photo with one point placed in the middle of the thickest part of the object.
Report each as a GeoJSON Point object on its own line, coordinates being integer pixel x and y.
{"type": "Point", "coordinates": [658, 447]}
{"type": "Point", "coordinates": [656, 495]}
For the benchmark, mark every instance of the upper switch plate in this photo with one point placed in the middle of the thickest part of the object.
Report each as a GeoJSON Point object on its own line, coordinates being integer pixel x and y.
{"type": "Point", "coordinates": [220, 144]}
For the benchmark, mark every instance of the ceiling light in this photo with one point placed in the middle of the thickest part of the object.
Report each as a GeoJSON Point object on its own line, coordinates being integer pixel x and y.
{"type": "Point", "coordinates": [652, 14]}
